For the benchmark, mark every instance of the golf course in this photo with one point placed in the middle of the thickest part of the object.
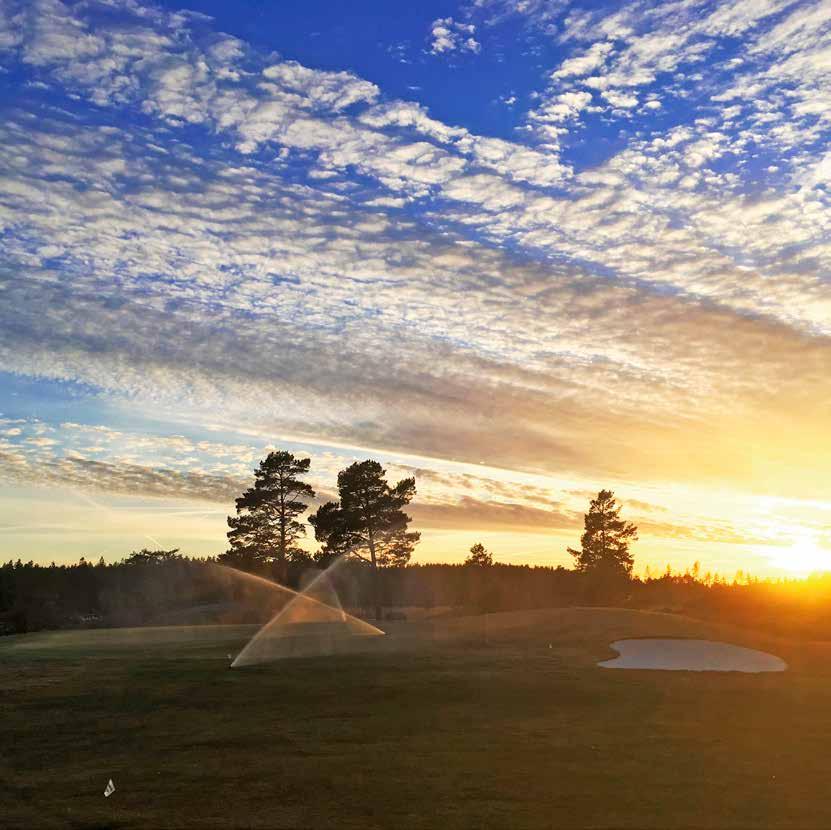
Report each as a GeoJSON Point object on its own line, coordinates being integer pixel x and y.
{"type": "Point", "coordinates": [499, 720]}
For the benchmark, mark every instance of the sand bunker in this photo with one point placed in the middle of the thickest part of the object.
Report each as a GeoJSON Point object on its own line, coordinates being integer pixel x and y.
{"type": "Point", "coordinates": [691, 655]}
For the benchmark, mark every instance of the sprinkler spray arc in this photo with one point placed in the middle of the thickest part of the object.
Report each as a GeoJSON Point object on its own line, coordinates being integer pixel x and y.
{"type": "Point", "coordinates": [312, 623]}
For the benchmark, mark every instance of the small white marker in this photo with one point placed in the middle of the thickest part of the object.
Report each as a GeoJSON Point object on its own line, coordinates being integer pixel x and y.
{"type": "Point", "coordinates": [110, 789]}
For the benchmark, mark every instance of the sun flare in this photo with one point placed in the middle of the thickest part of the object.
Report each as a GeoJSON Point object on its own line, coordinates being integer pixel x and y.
{"type": "Point", "coordinates": [804, 557]}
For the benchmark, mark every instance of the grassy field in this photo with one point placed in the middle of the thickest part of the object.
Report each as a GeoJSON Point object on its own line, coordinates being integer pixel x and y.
{"type": "Point", "coordinates": [498, 721]}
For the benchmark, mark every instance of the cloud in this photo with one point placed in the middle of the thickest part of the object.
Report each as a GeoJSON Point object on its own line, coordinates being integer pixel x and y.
{"type": "Point", "coordinates": [449, 35]}
{"type": "Point", "coordinates": [541, 12]}
{"type": "Point", "coordinates": [473, 514]}
{"type": "Point", "coordinates": [333, 91]}
{"type": "Point", "coordinates": [591, 60]}
{"type": "Point", "coordinates": [130, 479]}
{"type": "Point", "coordinates": [785, 80]}
{"type": "Point", "coordinates": [638, 44]}
{"type": "Point", "coordinates": [620, 99]}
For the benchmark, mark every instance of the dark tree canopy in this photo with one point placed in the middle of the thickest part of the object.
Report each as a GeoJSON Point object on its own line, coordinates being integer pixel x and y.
{"type": "Point", "coordinates": [480, 556]}
{"type": "Point", "coordinates": [604, 545]}
{"type": "Point", "coordinates": [148, 557]}
{"type": "Point", "coordinates": [266, 528]}
{"type": "Point", "coordinates": [369, 521]}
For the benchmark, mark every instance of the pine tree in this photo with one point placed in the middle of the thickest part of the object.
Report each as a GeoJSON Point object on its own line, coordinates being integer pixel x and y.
{"type": "Point", "coordinates": [266, 528]}
{"type": "Point", "coordinates": [480, 556]}
{"type": "Point", "coordinates": [605, 540]}
{"type": "Point", "coordinates": [368, 522]}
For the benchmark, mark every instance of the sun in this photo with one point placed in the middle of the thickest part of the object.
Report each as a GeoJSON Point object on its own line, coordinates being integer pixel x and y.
{"type": "Point", "coordinates": [804, 557]}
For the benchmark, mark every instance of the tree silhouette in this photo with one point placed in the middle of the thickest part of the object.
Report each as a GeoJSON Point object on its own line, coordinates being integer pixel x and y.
{"type": "Point", "coordinates": [479, 556]}
{"type": "Point", "coordinates": [266, 528]}
{"type": "Point", "coordinates": [368, 522]}
{"type": "Point", "coordinates": [148, 557]}
{"type": "Point", "coordinates": [605, 540]}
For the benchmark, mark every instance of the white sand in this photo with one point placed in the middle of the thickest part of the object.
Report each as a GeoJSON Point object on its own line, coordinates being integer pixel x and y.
{"type": "Point", "coordinates": [691, 655]}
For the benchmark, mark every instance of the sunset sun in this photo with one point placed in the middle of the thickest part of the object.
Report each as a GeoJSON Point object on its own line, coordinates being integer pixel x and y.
{"type": "Point", "coordinates": [804, 556]}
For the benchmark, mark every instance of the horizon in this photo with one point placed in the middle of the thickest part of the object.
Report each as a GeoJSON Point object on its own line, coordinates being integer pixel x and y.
{"type": "Point", "coordinates": [520, 251]}
{"type": "Point", "coordinates": [694, 573]}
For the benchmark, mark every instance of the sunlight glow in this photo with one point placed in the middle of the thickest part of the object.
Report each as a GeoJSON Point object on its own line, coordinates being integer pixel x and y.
{"type": "Point", "coordinates": [804, 557]}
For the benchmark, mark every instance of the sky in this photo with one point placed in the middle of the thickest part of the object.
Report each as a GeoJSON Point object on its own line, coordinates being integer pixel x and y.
{"type": "Point", "coordinates": [521, 249]}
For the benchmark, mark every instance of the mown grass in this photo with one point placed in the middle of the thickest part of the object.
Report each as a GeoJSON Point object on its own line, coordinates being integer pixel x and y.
{"type": "Point", "coordinates": [493, 722]}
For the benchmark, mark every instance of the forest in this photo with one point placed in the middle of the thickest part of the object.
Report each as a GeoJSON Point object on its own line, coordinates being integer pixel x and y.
{"type": "Point", "coordinates": [150, 589]}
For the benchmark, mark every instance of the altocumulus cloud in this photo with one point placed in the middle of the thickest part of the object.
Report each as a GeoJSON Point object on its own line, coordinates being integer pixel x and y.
{"type": "Point", "coordinates": [215, 230]}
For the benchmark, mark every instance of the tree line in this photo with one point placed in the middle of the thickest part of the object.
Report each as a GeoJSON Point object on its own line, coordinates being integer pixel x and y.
{"type": "Point", "coordinates": [167, 588]}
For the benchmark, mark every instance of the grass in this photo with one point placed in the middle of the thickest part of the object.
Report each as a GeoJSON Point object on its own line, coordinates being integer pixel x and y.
{"type": "Point", "coordinates": [498, 721]}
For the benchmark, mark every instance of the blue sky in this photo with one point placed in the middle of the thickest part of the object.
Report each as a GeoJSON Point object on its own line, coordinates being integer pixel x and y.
{"type": "Point", "coordinates": [524, 250]}
{"type": "Point", "coordinates": [390, 46]}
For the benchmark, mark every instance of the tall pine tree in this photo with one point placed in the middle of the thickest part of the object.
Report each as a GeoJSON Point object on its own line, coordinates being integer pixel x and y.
{"type": "Point", "coordinates": [266, 528]}
{"type": "Point", "coordinates": [368, 521]}
{"type": "Point", "coordinates": [604, 545]}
